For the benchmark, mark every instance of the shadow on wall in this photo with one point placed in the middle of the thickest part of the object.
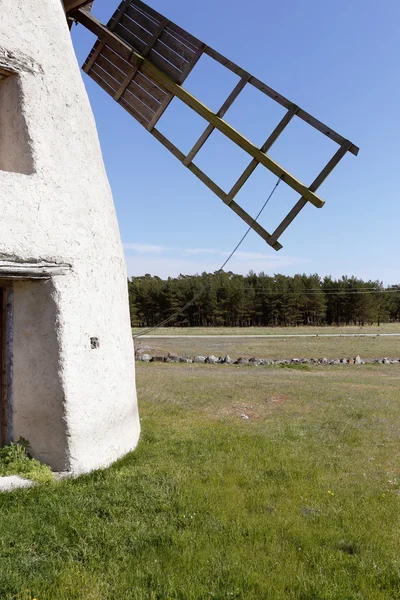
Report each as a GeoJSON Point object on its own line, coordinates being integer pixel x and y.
{"type": "Point", "coordinates": [37, 388]}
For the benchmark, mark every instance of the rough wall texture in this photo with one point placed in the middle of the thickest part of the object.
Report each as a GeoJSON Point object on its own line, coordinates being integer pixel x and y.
{"type": "Point", "coordinates": [76, 405]}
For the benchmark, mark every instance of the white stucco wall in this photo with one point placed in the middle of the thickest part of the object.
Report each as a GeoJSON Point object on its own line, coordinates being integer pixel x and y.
{"type": "Point", "coordinates": [63, 212]}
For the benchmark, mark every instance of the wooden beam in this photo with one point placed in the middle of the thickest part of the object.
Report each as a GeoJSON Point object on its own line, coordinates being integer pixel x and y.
{"type": "Point", "coordinates": [147, 68]}
{"type": "Point", "coordinates": [271, 140]}
{"type": "Point", "coordinates": [302, 114]}
{"type": "Point", "coordinates": [222, 111]}
{"type": "Point", "coordinates": [216, 189]}
{"type": "Point", "coordinates": [314, 186]}
{"type": "Point", "coordinates": [75, 4]}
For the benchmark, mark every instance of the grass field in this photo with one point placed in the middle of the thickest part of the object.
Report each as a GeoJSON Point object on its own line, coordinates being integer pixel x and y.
{"type": "Point", "coordinates": [278, 348]}
{"type": "Point", "coordinates": [384, 328]}
{"type": "Point", "coordinates": [299, 501]}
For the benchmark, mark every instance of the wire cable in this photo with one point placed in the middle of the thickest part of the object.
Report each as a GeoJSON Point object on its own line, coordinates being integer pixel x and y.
{"type": "Point", "coordinates": [201, 292]}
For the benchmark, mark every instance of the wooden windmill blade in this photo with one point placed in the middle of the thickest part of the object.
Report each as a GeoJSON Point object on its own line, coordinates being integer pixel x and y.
{"type": "Point", "coordinates": [142, 59]}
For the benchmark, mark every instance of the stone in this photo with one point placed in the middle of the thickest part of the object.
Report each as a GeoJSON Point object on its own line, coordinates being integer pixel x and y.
{"type": "Point", "coordinates": [351, 361]}
{"type": "Point", "coordinates": [172, 358]}
{"type": "Point", "coordinates": [241, 361]}
{"type": "Point", "coordinates": [145, 358]}
{"type": "Point", "coordinates": [227, 360]}
{"type": "Point", "coordinates": [357, 360]}
{"type": "Point", "coordinates": [157, 359]}
{"type": "Point", "coordinates": [386, 361]}
{"type": "Point", "coordinates": [343, 361]}
{"type": "Point", "coordinates": [14, 482]}
{"type": "Point", "coordinates": [212, 360]}
{"type": "Point", "coordinates": [199, 359]}
{"type": "Point", "coordinates": [185, 359]}
{"type": "Point", "coordinates": [255, 361]}
{"type": "Point", "coordinates": [244, 416]}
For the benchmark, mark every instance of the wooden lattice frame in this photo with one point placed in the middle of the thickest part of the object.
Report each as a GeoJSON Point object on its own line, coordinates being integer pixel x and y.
{"type": "Point", "coordinates": [142, 59]}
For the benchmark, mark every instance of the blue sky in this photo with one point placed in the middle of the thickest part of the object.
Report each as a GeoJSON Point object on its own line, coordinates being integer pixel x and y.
{"type": "Point", "coordinates": [337, 60]}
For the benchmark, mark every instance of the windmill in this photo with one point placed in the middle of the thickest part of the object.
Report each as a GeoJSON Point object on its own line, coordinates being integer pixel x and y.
{"type": "Point", "coordinates": [67, 381]}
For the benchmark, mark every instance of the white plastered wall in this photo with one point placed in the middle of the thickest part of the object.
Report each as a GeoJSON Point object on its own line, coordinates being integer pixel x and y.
{"type": "Point", "coordinates": [76, 405]}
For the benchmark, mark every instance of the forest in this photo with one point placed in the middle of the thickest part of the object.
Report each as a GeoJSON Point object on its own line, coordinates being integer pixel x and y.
{"type": "Point", "coordinates": [229, 300]}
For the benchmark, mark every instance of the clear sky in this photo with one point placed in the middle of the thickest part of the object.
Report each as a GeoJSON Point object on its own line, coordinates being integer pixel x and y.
{"type": "Point", "coordinates": [339, 61]}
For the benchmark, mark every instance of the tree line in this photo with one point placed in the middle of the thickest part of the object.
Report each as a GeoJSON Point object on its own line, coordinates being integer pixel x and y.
{"type": "Point", "coordinates": [229, 300]}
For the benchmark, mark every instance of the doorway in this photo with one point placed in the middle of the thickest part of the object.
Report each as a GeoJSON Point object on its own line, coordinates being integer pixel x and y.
{"type": "Point", "coordinates": [4, 429]}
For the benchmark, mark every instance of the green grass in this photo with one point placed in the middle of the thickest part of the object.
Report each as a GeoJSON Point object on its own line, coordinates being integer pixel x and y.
{"type": "Point", "coordinates": [383, 328]}
{"type": "Point", "coordinates": [299, 501]}
{"type": "Point", "coordinates": [14, 460]}
{"type": "Point", "coordinates": [277, 348]}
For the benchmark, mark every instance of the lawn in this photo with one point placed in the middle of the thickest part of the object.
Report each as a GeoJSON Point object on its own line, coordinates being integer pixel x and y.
{"type": "Point", "coordinates": [383, 328]}
{"type": "Point", "coordinates": [276, 348]}
{"type": "Point", "coordinates": [300, 500]}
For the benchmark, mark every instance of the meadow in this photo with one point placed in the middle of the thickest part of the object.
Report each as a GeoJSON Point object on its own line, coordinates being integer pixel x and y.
{"type": "Point", "coordinates": [253, 484]}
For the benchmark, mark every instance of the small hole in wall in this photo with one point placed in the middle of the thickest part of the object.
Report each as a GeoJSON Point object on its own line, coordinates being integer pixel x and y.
{"type": "Point", "coordinates": [94, 343]}
{"type": "Point", "coordinates": [15, 147]}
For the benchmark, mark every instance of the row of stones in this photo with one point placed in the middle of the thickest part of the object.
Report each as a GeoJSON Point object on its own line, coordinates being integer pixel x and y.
{"type": "Point", "coordinates": [227, 360]}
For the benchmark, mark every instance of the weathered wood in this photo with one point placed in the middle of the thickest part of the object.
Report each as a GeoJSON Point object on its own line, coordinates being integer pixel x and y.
{"type": "Point", "coordinates": [313, 187]}
{"type": "Point", "coordinates": [302, 114]}
{"type": "Point", "coordinates": [137, 104]}
{"type": "Point", "coordinates": [131, 37]}
{"type": "Point", "coordinates": [158, 93]}
{"type": "Point", "coordinates": [216, 189]}
{"type": "Point", "coordinates": [116, 60]}
{"type": "Point", "coordinates": [270, 141]}
{"type": "Point", "coordinates": [74, 4]}
{"type": "Point", "coordinates": [145, 21]}
{"type": "Point", "coordinates": [134, 69]}
{"type": "Point", "coordinates": [131, 110]}
{"type": "Point", "coordinates": [143, 96]}
{"type": "Point", "coordinates": [222, 111]}
{"type": "Point", "coordinates": [109, 68]}
{"type": "Point", "coordinates": [111, 26]}
{"type": "Point", "coordinates": [151, 70]}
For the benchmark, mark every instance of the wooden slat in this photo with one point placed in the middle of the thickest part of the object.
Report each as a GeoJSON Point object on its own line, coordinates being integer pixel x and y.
{"type": "Point", "coordinates": [216, 189]}
{"type": "Point", "coordinates": [135, 68]}
{"type": "Point", "coordinates": [133, 39]}
{"type": "Point", "coordinates": [222, 111]}
{"type": "Point", "coordinates": [101, 82]}
{"type": "Point", "coordinates": [113, 22]}
{"type": "Point", "coordinates": [165, 67]}
{"type": "Point", "coordinates": [172, 42]}
{"type": "Point", "coordinates": [145, 22]}
{"type": "Point", "coordinates": [144, 97]}
{"type": "Point", "coordinates": [139, 106]}
{"type": "Point", "coordinates": [345, 147]}
{"type": "Point", "coordinates": [187, 38]}
{"type": "Point", "coordinates": [152, 71]}
{"type": "Point", "coordinates": [302, 114]}
{"type": "Point", "coordinates": [116, 60]}
{"type": "Point", "coordinates": [147, 10]}
{"type": "Point", "coordinates": [132, 112]}
{"type": "Point", "coordinates": [157, 93]}
{"type": "Point", "coordinates": [110, 81]}
{"type": "Point", "coordinates": [159, 112]}
{"type": "Point", "coordinates": [170, 55]}
{"type": "Point", "coordinates": [270, 141]}
{"type": "Point", "coordinates": [109, 68]}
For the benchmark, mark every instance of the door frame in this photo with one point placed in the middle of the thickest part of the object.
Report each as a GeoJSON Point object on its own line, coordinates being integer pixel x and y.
{"type": "Point", "coordinates": [6, 292]}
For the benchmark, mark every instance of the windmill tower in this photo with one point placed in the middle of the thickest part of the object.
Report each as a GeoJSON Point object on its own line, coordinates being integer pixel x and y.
{"type": "Point", "coordinates": [67, 377]}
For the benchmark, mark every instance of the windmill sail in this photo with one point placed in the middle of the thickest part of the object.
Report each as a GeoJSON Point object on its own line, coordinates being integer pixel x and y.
{"type": "Point", "coordinates": [142, 59]}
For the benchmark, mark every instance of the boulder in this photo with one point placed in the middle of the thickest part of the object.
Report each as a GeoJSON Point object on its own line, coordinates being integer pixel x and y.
{"type": "Point", "coordinates": [211, 360]}
{"type": "Point", "coordinates": [227, 360]}
{"type": "Point", "coordinates": [185, 359]}
{"type": "Point", "coordinates": [172, 358]}
{"type": "Point", "coordinates": [199, 359]}
{"type": "Point", "coordinates": [145, 358]}
{"type": "Point", "coordinates": [242, 361]}
{"type": "Point", "coordinates": [157, 359]}
{"type": "Point", "coordinates": [255, 361]}
{"type": "Point", "coordinates": [357, 360]}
